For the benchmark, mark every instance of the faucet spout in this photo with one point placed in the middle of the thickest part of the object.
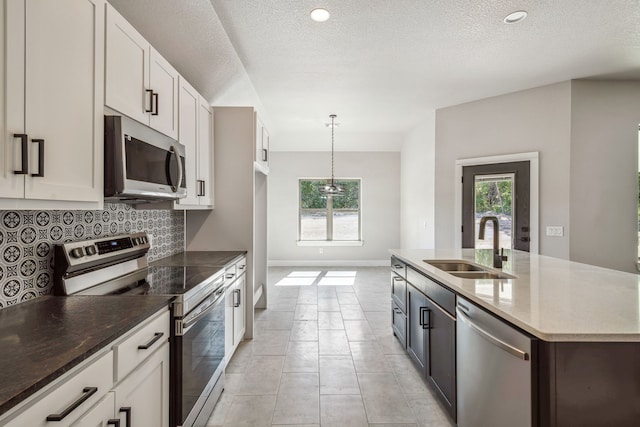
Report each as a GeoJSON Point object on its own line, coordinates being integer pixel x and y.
{"type": "Point", "coordinates": [497, 256]}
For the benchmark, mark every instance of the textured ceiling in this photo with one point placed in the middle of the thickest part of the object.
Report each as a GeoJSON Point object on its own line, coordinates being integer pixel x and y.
{"type": "Point", "coordinates": [381, 65]}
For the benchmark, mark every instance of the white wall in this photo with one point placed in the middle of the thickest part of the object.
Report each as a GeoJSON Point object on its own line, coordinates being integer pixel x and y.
{"type": "Point", "coordinates": [604, 173]}
{"type": "Point", "coordinates": [380, 174]}
{"type": "Point", "coordinates": [417, 225]}
{"type": "Point", "coordinates": [531, 120]}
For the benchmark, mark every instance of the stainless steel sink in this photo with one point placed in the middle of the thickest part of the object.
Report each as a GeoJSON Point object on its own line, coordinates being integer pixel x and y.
{"type": "Point", "coordinates": [454, 265]}
{"type": "Point", "coordinates": [480, 275]}
{"type": "Point", "coordinates": [467, 270]}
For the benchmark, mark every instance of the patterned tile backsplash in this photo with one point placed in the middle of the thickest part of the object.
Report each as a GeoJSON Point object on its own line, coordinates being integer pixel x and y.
{"type": "Point", "coordinates": [27, 239]}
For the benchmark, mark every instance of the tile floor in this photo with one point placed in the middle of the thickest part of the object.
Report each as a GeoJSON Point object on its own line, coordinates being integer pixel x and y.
{"type": "Point", "coordinates": [324, 354]}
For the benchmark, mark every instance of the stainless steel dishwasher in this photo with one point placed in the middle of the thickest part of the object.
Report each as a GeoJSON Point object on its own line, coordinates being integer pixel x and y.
{"type": "Point", "coordinates": [494, 370]}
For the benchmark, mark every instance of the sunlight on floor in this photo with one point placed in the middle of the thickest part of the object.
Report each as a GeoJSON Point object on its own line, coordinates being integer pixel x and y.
{"type": "Point", "coordinates": [338, 278]}
{"type": "Point", "coordinates": [323, 278]}
{"type": "Point", "coordinates": [299, 278]}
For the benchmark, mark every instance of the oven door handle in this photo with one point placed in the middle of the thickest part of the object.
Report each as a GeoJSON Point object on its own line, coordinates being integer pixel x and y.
{"type": "Point", "coordinates": [206, 307]}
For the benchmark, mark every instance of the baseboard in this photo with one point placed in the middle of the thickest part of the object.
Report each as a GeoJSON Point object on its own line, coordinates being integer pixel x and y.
{"type": "Point", "coordinates": [330, 263]}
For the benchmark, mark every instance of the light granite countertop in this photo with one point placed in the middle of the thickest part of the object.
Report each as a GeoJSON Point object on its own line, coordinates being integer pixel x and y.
{"type": "Point", "coordinates": [552, 299]}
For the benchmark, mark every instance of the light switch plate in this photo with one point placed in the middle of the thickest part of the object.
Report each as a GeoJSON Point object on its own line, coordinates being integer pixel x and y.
{"type": "Point", "coordinates": [555, 231]}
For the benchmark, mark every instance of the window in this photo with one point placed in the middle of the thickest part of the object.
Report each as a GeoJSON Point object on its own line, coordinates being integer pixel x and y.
{"type": "Point", "coordinates": [324, 219]}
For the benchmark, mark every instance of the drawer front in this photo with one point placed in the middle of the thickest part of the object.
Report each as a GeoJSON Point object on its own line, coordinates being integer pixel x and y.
{"type": "Point", "coordinates": [399, 324]}
{"type": "Point", "coordinates": [399, 291]}
{"type": "Point", "coordinates": [141, 344]}
{"type": "Point", "coordinates": [434, 290]}
{"type": "Point", "coordinates": [62, 397]}
{"type": "Point", "coordinates": [398, 267]}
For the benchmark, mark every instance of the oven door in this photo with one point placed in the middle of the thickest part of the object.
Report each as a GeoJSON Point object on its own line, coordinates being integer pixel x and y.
{"type": "Point", "coordinates": [199, 362]}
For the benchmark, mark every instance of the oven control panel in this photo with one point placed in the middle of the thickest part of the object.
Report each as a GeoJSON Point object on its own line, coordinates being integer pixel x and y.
{"type": "Point", "coordinates": [90, 251]}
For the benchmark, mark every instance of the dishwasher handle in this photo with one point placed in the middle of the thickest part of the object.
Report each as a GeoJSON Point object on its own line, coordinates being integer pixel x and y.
{"type": "Point", "coordinates": [491, 338]}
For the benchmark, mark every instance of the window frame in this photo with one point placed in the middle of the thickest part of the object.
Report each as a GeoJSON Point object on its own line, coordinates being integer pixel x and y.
{"type": "Point", "coordinates": [329, 214]}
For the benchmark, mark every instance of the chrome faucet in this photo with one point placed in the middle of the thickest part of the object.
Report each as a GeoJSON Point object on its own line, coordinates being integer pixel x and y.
{"type": "Point", "coordinates": [498, 255]}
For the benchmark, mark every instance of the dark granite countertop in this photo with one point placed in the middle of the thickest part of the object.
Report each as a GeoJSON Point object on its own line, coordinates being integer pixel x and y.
{"type": "Point", "coordinates": [200, 259]}
{"type": "Point", "coordinates": [42, 339]}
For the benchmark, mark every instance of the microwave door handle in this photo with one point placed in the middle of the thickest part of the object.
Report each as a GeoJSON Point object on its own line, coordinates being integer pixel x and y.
{"type": "Point", "coordinates": [180, 171]}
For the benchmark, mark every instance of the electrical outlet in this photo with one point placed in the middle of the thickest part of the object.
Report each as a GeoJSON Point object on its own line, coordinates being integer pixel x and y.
{"type": "Point", "coordinates": [320, 251]}
{"type": "Point", "coordinates": [555, 231]}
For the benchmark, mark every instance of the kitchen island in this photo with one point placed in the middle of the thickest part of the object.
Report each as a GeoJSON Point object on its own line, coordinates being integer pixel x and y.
{"type": "Point", "coordinates": [583, 321]}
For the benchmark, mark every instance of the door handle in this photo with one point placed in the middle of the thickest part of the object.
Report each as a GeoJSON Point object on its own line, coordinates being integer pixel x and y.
{"type": "Point", "coordinates": [40, 143]}
{"type": "Point", "coordinates": [87, 392]}
{"type": "Point", "coordinates": [25, 153]}
{"type": "Point", "coordinates": [127, 411]}
{"type": "Point", "coordinates": [236, 302]}
{"type": "Point", "coordinates": [425, 323]}
{"type": "Point", "coordinates": [173, 150]}
{"type": "Point", "coordinates": [155, 96]}
{"type": "Point", "coordinates": [150, 109]}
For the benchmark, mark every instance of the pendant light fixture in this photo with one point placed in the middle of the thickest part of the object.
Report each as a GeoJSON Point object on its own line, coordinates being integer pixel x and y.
{"type": "Point", "coordinates": [330, 188]}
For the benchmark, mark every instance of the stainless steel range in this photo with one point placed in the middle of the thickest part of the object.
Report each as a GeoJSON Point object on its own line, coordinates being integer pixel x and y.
{"type": "Point", "coordinates": [119, 265]}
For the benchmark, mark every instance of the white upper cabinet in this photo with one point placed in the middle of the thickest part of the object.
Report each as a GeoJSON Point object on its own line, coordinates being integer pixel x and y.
{"type": "Point", "coordinates": [205, 152]}
{"type": "Point", "coordinates": [139, 82]}
{"type": "Point", "coordinates": [196, 134]}
{"type": "Point", "coordinates": [261, 146]}
{"type": "Point", "coordinates": [52, 78]}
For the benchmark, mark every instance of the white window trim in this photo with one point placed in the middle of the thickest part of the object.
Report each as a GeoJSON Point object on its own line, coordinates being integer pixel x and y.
{"type": "Point", "coordinates": [330, 242]}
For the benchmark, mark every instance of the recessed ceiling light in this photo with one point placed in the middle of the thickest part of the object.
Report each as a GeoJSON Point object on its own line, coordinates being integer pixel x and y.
{"type": "Point", "coordinates": [320, 14]}
{"type": "Point", "coordinates": [514, 17]}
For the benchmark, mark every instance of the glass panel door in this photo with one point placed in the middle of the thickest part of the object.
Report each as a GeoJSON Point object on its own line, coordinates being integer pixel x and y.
{"type": "Point", "coordinates": [494, 197]}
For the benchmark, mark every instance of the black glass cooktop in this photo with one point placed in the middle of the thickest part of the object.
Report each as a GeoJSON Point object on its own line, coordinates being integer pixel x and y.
{"type": "Point", "coordinates": [172, 280]}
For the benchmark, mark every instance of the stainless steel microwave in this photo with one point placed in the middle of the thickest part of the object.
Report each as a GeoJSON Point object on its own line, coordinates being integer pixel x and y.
{"type": "Point", "coordinates": [141, 164]}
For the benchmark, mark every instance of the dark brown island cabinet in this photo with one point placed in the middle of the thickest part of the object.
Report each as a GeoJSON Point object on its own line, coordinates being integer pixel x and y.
{"type": "Point", "coordinates": [574, 384]}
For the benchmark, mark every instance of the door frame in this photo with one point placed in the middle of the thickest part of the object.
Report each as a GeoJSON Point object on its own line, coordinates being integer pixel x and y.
{"type": "Point", "coordinates": [533, 158]}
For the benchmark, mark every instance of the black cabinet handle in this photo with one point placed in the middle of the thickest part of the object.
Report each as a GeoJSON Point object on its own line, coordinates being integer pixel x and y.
{"type": "Point", "coordinates": [25, 153]}
{"type": "Point", "coordinates": [230, 276]}
{"type": "Point", "coordinates": [127, 411]}
{"type": "Point", "coordinates": [155, 96]}
{"type": "Point", "coordinates": [397, 310]}
{"type": "Point", "coordinates": [113, 422]}
{"type": "Point", "coordinates": [40, 143]}
{"type": "Point", "coordinates": [236, 298]}
{"type": "Point", "coordinates": [150, 109]}
{"type": "Point", "coordinates": [241, 267]}
{"type": "Point", "coordinates": [424, 323]}
{"type": "Point", "coordinates": [398, 279]}
{"type": "Point", "coordinates": [200, 187]}
{"type": "Point", "coordinates": [155, 338]}
{"type": "Point", "coordinates": [87, 392]}
{"type": "Point", "coordinates": [265, 155]}
{"type": "Point", "coordinates": [397, 266]}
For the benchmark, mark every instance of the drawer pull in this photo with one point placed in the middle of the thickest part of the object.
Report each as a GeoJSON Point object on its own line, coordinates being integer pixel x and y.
{"type": "Point", "coordinates": [155, 338]}
{"type": "Point", "coordinates": [397, 266]}
{"type": "Point", "coordinates": [127, 411]}
{"type": "Point", "coordinates": [113, 422]}
{"type": "Point", "coordinates": [242, 267]}
{"type": "Point", "coordinates": [87, 392]}
{"type": "Point", "coordinates": [398, 279]}
{"type": "Point", "coordinates": [236, 298]}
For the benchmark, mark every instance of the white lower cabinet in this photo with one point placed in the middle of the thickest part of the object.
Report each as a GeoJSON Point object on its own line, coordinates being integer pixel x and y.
{"type": "Point", "coordinates": [235, 306]}
{"type": "Point", "coordinates": [95, 395]}
{"type": "Point", "coordinates": [144, 394]}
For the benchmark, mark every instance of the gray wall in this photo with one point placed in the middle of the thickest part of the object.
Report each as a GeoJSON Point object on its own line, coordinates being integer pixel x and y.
{"type": "Point", "coordinates": [418, 186]}
{"type": "Point", "coordinates": [380, 174]}
{"type": "Point", "coordinates": [531, 120]}
{"type": "Point", "coordinates": [604, 183]}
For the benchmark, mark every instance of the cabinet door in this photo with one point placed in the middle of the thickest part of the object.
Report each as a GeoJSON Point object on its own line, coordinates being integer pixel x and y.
{"type": "Point", "coordinates": [442, 355]}
{"type": "Point", "coordinates": [12, 42]}
{"type": "Point", "coordinates": [228, 323]}
{"type": "Point", "coordinates": [163, 81]}
{"type": "Point", "coordinates": [261, 143]}
{"type": "Point", "coordinates": [418, 315]}
{"type": "Point", "coordinates": [127, 69]}
{"type": "Point", "coordinates": [100, 414]}
{"type": "Point", "coordinates": [146, 392]}
{"type": "Point", "coordinates": [189, 104]}
{"type": "Point", "coordinates": [64, 74]}
{"type": "Point", "coordinates": [238, 310]}
{"type": "Point", "coordinates": [205, 152]}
